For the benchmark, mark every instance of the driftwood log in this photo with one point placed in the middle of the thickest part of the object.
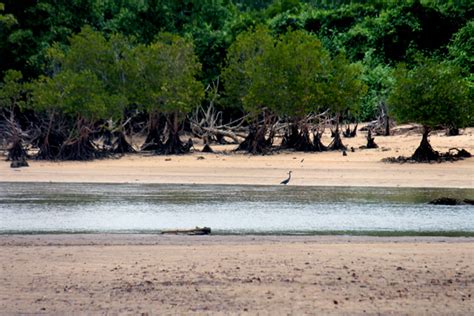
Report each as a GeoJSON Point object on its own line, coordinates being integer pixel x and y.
{"type": "Point", "coordinates": [193, 231]}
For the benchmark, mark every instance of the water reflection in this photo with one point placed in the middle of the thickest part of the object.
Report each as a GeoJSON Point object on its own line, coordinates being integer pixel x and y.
{"type": "Point", "coordinates": [44, 207]}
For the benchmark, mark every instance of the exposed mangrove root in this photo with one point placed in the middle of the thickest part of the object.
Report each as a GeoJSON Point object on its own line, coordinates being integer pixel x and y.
{"type": "Point", "coordinates": [174, 146]}
{"type": "Point", "coordinates": [255, 142]}
{"type": "Point", "coordinates": [317, 144]}
{"type": "Point", "coordinates": [17, 154]}
{"type": "Point", "coordinates": [291, 137]}
{"type": "Point", "coordinates": [80, 149]}
{"type": "Point", "coordinates": [107, 137]}
{"type": "Point", "coordinates": [19, 163]}
{"type": "Point", "coordinates": [348, 133]}
{"type": "Point", "coordinates": [424, 152]}
{"type": "Point", "coordinates": [454, 154]}
{"type": "Point", "coordinates": [49, 146]}
{"type": "Point", "coordinates": [153, 141]}
{"type": "Point", "coordinates": [458, 153]}
{"type": "Point", "coordinates": [452, 131]}
{"type": "Point", "coordinates": [300, 140]}
{"type": "Point", "coordinates": [336, 143]}
{"type": "Point", "coordinates": [156, 128]}
{"type": "Point", "coordinates": [304, 142]}
{"type": "Point", "coordinates": [207, 149]}
{"type": "Point", "coordinates": [121, 145]}
{"type": "Point", "coordinates": [371, 141]}
{"type": "Point", "coordinates": [16, 151]}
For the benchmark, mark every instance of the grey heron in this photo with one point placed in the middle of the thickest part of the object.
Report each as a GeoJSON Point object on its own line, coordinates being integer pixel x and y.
{"type": "Point", "coordinates": [285, 182]}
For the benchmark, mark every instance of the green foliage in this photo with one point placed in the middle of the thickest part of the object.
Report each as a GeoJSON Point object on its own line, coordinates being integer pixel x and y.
{"type": "Point", "coordinates": [207, 22]}
{"type": "Point", "coordinates": [40, 23]}
{"type": "Point", "coordinates": [292, 75]}
{"type": "Point", "coordinates": [344, 88]}
{"type": "Point", "coordinates": [242, 64]}
{"type": "Point", "coordinates": [431, 94]}
{"type": "Point", "coordinates": [108, 60]}
{"type": "Point", "coordinates": [283, 6]}
{"type": "Point", "coordinates": [89, 50]}
{"type": "Point", "coordinates": [116, 42]}
{"type": "Point", "coordinates": [12, 91]}
{"type": "Point", "coordinates": [379, 80]}
{"type": "Point", "coordinates": [6, 20]}
{"type": "Point", "coordinates": [393, 30]}
{"type": "Point", "coordinates": [461, 47]}
{"type": "Point", "coordinates": [341, 29]}
{"type": "Point", "coordinates": [80, 95]}
{"type": "Point", "coordinates": [165, 76]}
{"type": "Point", "coordinates": [161, 76]}
{"type": "Point", "coordinates": [285, 22]}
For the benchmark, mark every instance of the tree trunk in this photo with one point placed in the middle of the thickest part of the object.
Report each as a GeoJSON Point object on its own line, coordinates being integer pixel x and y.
{"type": "Point", "coordinates": [304, 142]}
{"type": "Point", "coordinates": [317, 144]}
{"type": "Point", "coordinates": [153, 140]}
{"type": "Point", "coordinates": [256, 141]}
{"type": "Point", "coordinates": [290, 139]}
{"type": "Point", "coordinates": [452, 131]}
{"type": "Point", "coordinates": [387, 125]}
{"type": "Point", "coordinates": [79, 146]}
{"type": "Point", "coordinates": [50, 142]}
{"type": "Point", "coordinates": [207, 149]}
{"type": "Point", "coordinates": [350, 133]}
{"type": "Point", "coordinates": [298, 138]}
{"type": "Point", "coordinates": [16, 151]}
{"type": "Point", "coordinates": [121, 145]}
{"type": "Point", "coordinates": [173, 144]}
{"type": "Point", "coordinates": [50, 146]}
{"type": "Point", "coordinates": [424, 152]}
{"type": "Point", "coordinates": [336, 143]}
{"type": "Point", "coordinates": [371, 141]}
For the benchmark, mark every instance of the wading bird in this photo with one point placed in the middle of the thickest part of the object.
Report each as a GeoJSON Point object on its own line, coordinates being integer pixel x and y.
{"type": "Point", "coordinates": [285, 182]}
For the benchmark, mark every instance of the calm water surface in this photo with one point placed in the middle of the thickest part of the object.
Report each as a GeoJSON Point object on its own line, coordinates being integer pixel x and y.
{"type": "Point", "coordinates": [68, 208]}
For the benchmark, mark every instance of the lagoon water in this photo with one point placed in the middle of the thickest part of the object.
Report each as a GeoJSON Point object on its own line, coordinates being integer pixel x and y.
{"type": "Point", "coordinates": [227, 209]}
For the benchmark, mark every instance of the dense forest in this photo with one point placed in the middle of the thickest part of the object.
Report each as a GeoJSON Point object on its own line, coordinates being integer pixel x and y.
{"type": "Point", "coordinates": [79, 77]}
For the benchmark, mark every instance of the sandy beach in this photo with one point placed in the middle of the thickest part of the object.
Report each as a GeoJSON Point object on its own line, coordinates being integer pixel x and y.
{"type": "Point", "coordinates": [154, 274]}
{"type": "Point", "coordinates": [358, 168]}
{"type": "Point", "coordinates": [146, 274]}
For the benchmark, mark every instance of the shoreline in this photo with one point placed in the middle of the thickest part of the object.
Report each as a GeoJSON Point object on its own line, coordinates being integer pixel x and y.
{"type": "Point", "coordinates": [361, 168]}
{"type": "Point", "coordinates": [282, 235]}
{"type": "Point", "coordinates": [263, 185]}
{"type": "Point", "coordinates": [327, 169]}
{"type": "Point", "coordinates": [120, 239]}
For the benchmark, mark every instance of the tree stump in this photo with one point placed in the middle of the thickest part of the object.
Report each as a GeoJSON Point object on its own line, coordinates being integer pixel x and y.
{"type": "Point", "coordinates": [371, 141]}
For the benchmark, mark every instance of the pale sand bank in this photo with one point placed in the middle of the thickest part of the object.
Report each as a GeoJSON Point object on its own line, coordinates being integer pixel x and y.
{"type": "Point", "coordinates": [359, 168]}
{"type": "Point", "coordinates": [134, 274]}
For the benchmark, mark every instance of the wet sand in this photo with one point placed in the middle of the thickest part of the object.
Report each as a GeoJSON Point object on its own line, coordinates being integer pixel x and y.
{"type": "Point", "coordinates": [135, 274]}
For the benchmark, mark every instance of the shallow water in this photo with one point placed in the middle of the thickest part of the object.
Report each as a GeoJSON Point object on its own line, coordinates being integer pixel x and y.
{"type": "Point", "coordinates": [74, 208]}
